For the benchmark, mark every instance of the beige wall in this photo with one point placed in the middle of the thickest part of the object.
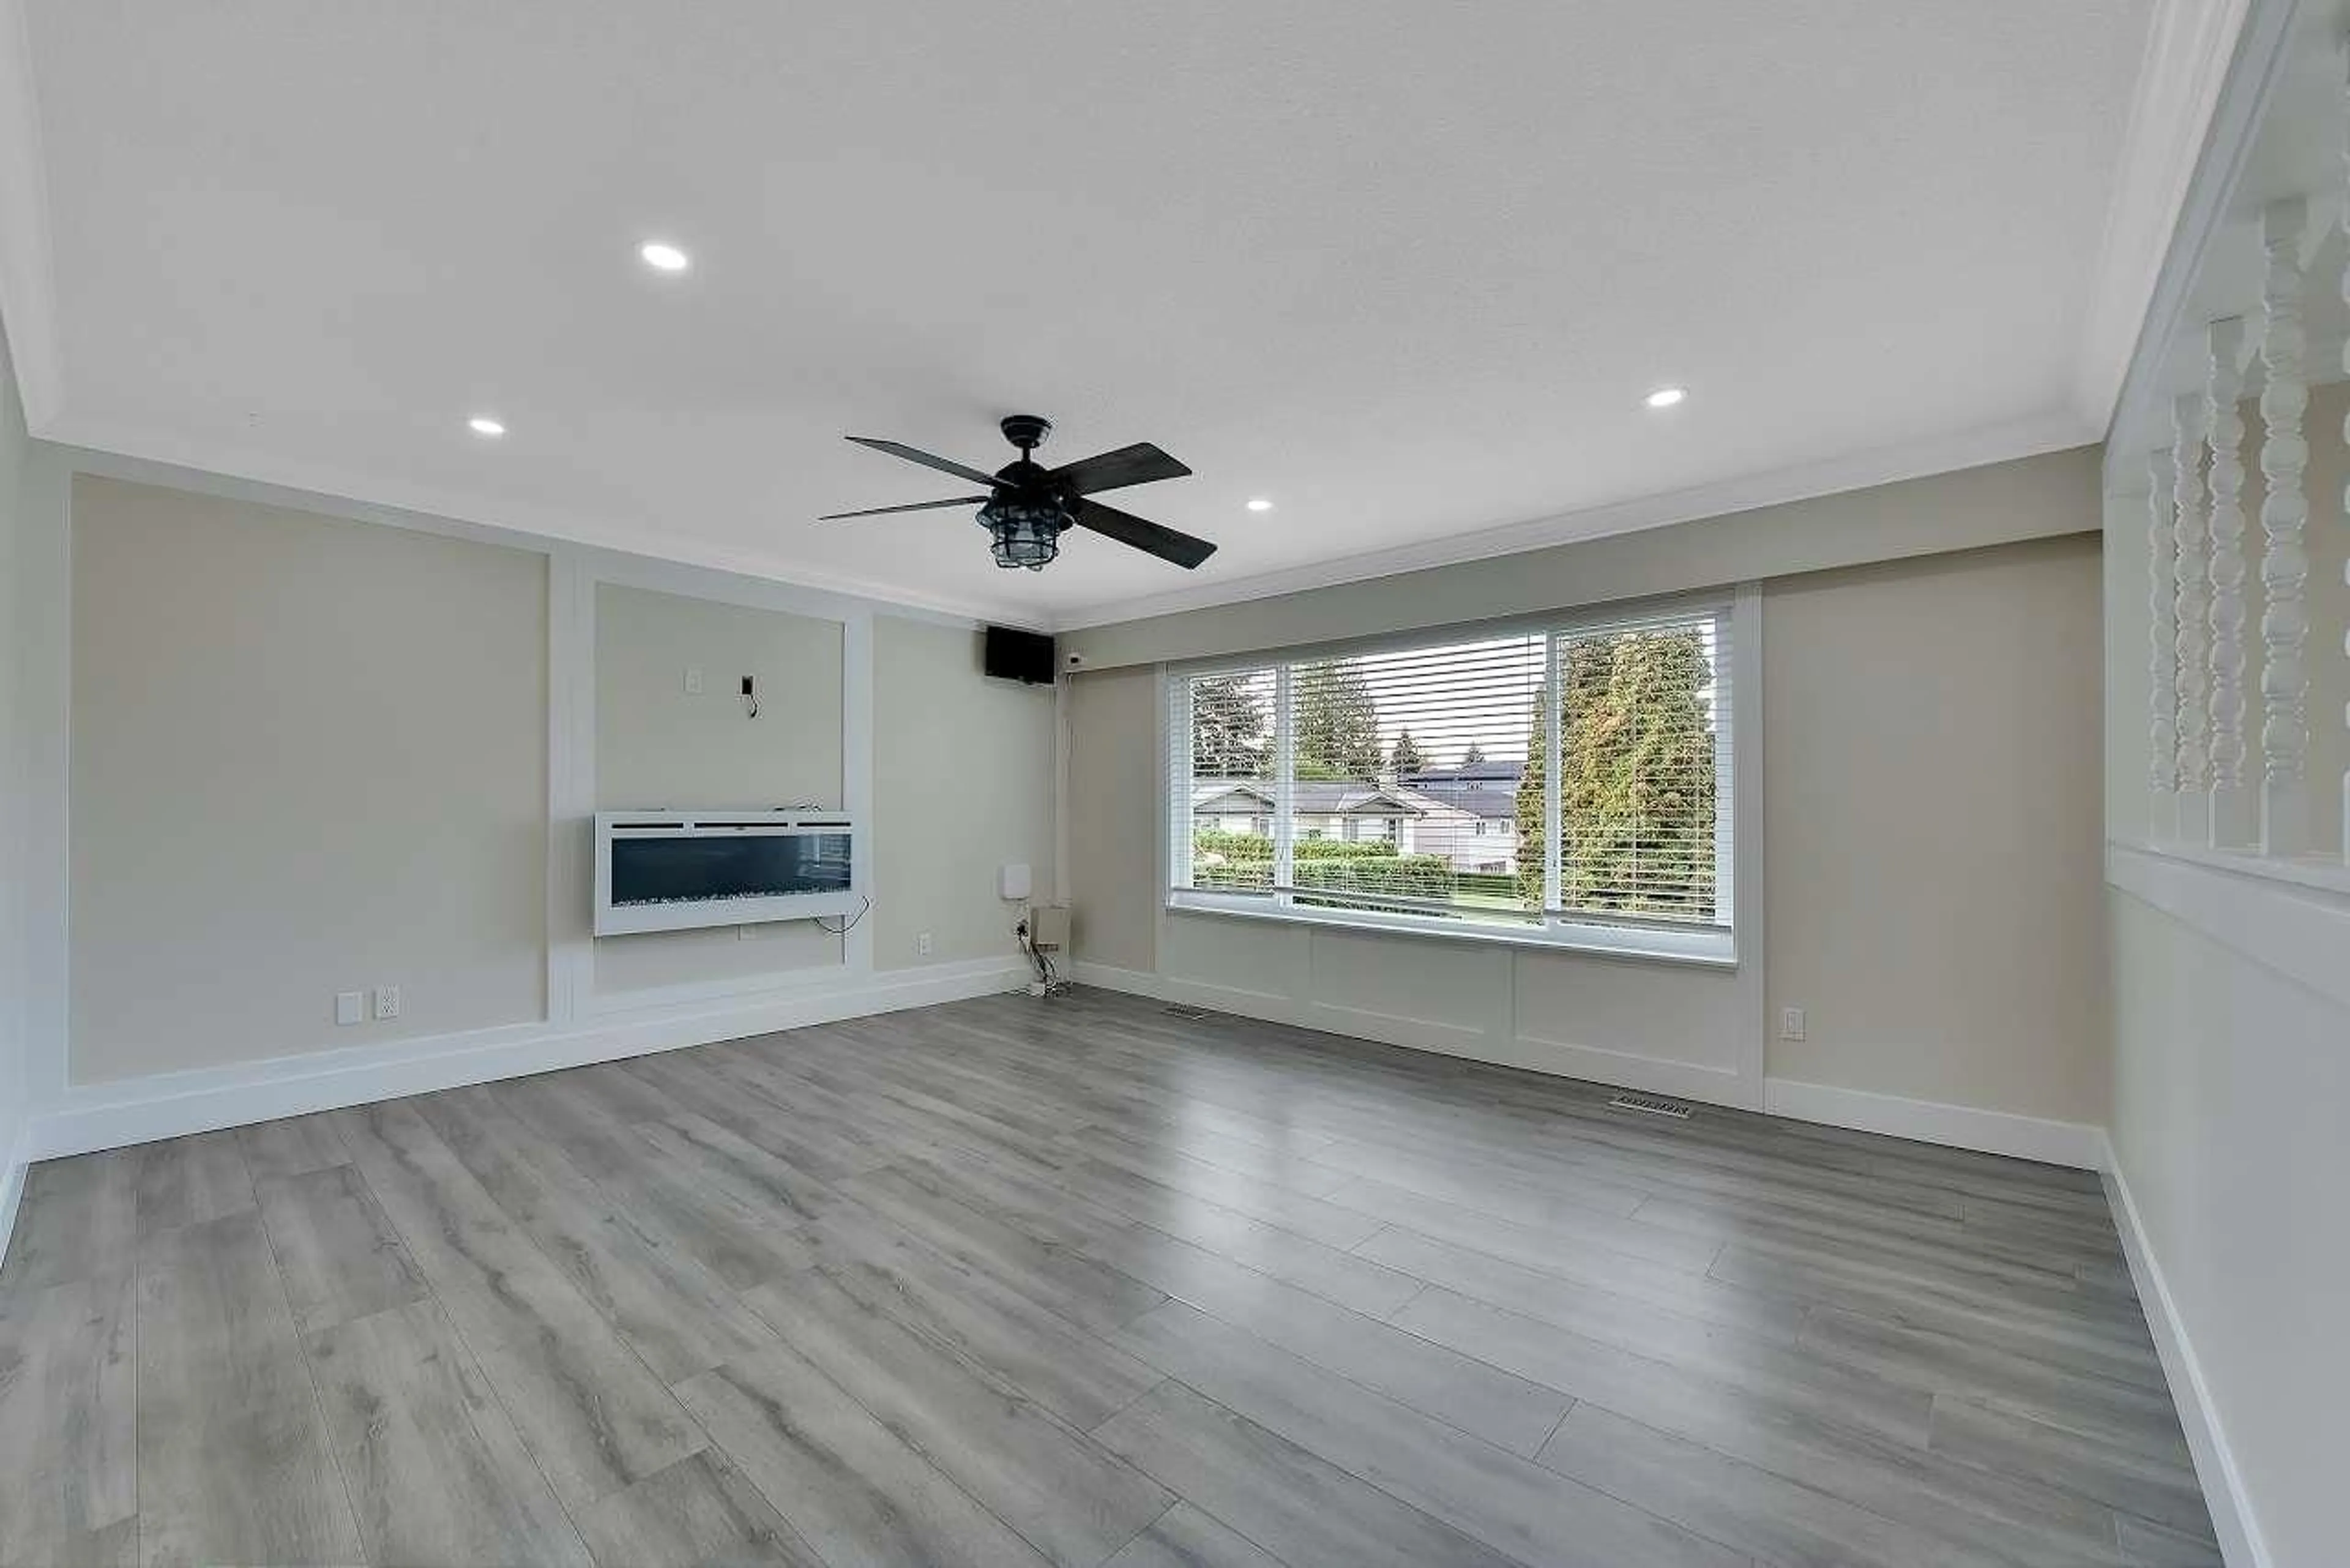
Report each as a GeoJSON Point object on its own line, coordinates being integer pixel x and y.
{"type": "Point", "coordinates": [308, 756]}
{"type": "Point", "coordinates": [2000, 503]}
{"type": "Point", "coordinates": [1114, 854]}
{"type": "Point", "coordinates": [962, 784]}
{"type": "Point", "coordinates": [658, 747]}
{"type": "Point", "coordinates": [1931, 866]}
{"type": "Point", "coordinates": [1931, 788]}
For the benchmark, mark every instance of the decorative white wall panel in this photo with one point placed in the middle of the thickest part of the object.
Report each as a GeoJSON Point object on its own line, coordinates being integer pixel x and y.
{"type": "Point", "coordinates": [2232, 818]}
{"type": "Point", "coordinates": [2284, 518]}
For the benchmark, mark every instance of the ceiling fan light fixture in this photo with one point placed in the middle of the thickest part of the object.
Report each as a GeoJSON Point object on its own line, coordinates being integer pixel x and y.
{"type": "Point", "coordinates": [1028, 507]}
{"type": "Point", "coordinates": [1023, 532]}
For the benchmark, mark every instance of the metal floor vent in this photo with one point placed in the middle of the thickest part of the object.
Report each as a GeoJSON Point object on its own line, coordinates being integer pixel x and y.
{"type": "Point", "coordinates": [1653, 1105]}
{"type": "Point", "coordinates": [1184, 1010]}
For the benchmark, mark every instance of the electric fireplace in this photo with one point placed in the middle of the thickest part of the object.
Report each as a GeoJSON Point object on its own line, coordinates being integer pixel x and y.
{"type": "Point", "coordinates": [668, 871]}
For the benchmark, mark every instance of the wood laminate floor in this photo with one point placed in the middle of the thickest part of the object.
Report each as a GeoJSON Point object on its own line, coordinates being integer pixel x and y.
{"type": "Point", "coordinates": [1010, 1283]}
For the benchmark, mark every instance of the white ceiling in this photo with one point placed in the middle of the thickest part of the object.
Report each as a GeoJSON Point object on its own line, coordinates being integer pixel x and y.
{"type": "Point", "coordinates": [1406, 268]}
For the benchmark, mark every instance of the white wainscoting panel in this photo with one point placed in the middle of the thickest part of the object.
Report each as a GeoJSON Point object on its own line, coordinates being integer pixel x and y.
{"type": "Point", "coordinates": [1669, 1028]}
{"type": "Point", "coordinates": [1453, 997]}
{"type": "Point", "coordinates": [1241, 960]}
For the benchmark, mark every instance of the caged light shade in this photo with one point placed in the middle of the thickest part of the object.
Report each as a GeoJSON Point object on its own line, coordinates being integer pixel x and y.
{"type": "Point", "coordinates": [1024, 533]}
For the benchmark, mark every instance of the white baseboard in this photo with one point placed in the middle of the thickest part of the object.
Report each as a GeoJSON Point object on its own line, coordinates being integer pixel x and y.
{"type": "Point", "coordinates": [1133, 982]}
{"type": "Point", "coordinates": [2072, 1144]}
{"type": "Point", "coordinates": [170, 1104]}
{"type": "Point", "coordinates": [2076, 1144]}
{"type": "Point", "coordinates": [2215, 1463]}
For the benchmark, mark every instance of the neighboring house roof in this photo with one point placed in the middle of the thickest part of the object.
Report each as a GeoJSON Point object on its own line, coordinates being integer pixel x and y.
{"type": "Point", "coordinates": [1319, 798]}
{"type": "Point", "coordinates": [1433, 805]}
{"type": "Point", "coordinates": [1485, 800]}
{"type": "Point", "coordinates": [1445, 781]}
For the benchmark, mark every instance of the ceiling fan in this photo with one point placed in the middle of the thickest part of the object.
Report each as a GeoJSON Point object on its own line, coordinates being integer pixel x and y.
{"type": "Point", "coordinates": [1028, 506]}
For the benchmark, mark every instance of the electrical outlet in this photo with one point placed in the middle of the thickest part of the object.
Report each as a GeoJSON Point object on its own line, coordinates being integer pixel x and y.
{"type": "Point", "coordinates": [693, 680]}
{"type": "Point", "coordinates": [921, 944]}
{"type": "Point", "coordinates": [350, 1006]}
{"type": "Point", "coordinates": [1791, 1023]}
{"type": "Point", "coordinates": [387, 1002]}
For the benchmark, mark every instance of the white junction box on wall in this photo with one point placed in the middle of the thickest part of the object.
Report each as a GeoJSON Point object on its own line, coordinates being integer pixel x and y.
{"type": "Point", "coordinates": [1013, 883]}
{"type": "Point", "coordinates": [1049, 926]}
{"type": "Point", "coordinates": [673, 871]}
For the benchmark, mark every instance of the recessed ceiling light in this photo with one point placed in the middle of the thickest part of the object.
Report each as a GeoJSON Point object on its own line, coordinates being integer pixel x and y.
{"type": "Point", "coordinates": [663, 257]}
{"type": "Point", "coordinates": [1259, 504]}
{"type": "Point", "coordinates": [482, 424]}
{"type": "Point", "coordinates": [1665, 397]}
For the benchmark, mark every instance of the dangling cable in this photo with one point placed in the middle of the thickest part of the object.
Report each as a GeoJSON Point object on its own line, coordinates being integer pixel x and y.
{"type": "Point", "coordinates": [849, 924]}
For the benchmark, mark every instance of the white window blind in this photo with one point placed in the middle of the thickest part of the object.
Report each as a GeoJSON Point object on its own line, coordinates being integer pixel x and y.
{"type": "Point", "coordinates": [1225, 780]}
{"type": "Point", "coordinates": [1536, 783]}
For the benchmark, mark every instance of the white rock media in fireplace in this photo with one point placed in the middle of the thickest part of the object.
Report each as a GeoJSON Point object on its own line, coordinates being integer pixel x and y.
{"type": "Point", "coordinates": [673, 870]}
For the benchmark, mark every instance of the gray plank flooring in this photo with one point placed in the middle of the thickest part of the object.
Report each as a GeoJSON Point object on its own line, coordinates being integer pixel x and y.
{"type": "Point", "coordinates": [1010, 1283]}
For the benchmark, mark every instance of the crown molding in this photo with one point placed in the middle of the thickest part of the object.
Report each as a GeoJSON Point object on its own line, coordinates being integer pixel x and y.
{"type": "Point", "coordinates": [2053, 431]}
{"type": "Point", "coordinates": [146, 457]}
{"type": "Point", "coordinates": [28, 303]}
{"type": "Point", "coordinates": [2175, 113]}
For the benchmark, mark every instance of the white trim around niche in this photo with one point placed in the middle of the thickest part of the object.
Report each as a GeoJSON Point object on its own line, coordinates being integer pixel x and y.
{"type": "Point", "coordinates": [572, 797]}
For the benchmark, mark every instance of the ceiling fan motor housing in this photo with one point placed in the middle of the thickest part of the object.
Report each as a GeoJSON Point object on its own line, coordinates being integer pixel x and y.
{"type": "Point", "coordinates": [1027, 432]}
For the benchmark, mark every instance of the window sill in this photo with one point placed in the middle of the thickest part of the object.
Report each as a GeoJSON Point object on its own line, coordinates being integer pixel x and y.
{"type": "Point", "coordinates": [1714, 950]}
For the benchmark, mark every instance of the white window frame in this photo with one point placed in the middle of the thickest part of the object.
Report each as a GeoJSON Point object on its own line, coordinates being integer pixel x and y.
{"type": "Point", "coordinates": [1738, 805]}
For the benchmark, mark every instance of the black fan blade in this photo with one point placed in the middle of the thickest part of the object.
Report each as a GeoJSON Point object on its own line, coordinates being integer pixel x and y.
{"type": "Point", "coordinates": [1127, 529]}
{"type": "Point", "coordinates": [1136, 464]}
{"type": "Point", "coordinates": [913, 455]}
{"type": "Point", "coordinates": [913, 506]}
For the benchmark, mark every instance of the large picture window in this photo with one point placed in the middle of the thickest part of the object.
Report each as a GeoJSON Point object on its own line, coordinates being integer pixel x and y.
{"type": "Point", "coordinates": [1568, 784]}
